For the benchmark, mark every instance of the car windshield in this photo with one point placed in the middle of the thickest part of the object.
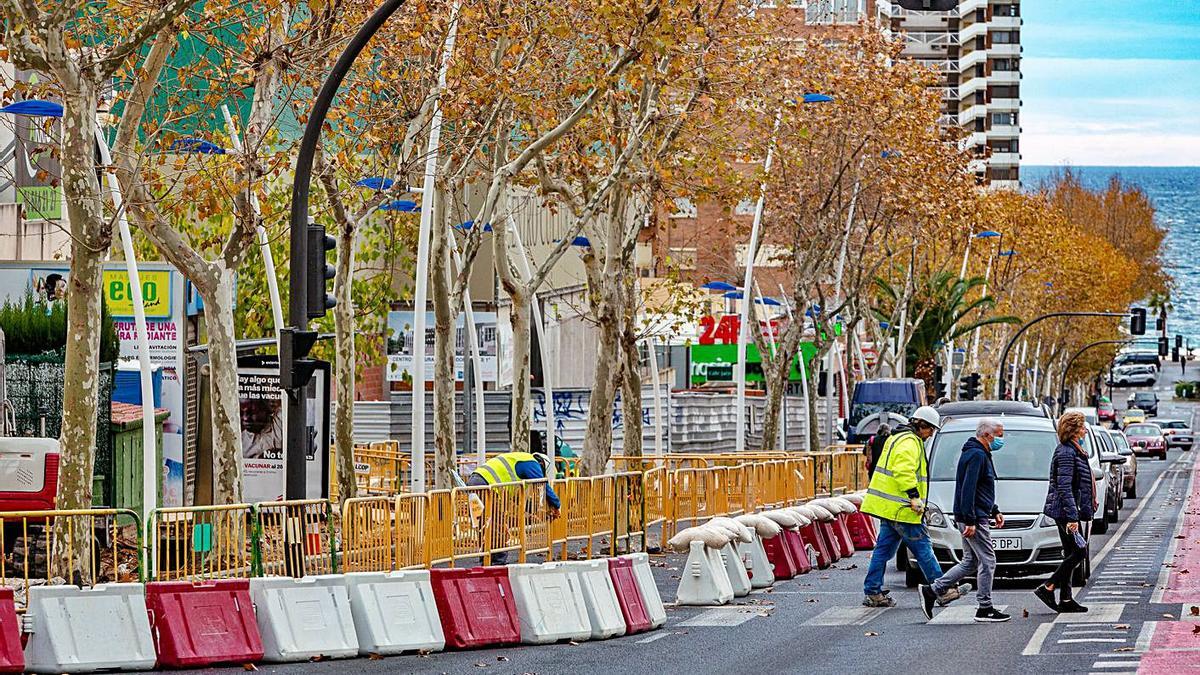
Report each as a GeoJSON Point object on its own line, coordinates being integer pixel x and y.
{"type": "Point", "coordinates": [1144, 397]}
{"type": "Point", "coordinates": [1122, 444]}
{"type": "Point", "coordinates": [1143, 430]}
{"type": "Point", "coordinates": [1026, 454]}
{"type": "Point", "coordinates": [1171, 424]}
{"type": "Point", "coordinates": [861, 411]}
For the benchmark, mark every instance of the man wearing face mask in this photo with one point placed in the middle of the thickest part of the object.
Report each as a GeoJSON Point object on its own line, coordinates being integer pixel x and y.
{"type": "Point", "coordinates": [974, 509]}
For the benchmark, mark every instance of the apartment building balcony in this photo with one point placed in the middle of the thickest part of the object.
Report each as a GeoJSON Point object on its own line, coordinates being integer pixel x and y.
{"type": "Point", "coordinates": [977, 166]}
{"type": "Point", "coordinates": [1004, 104]}
{"type": "Point", "coordinates": [1004, 131]}
{"type": "Point", "coordinates": [975, 139]}
{"type": "Point", "coordinates": [1014, 185]}
{"type": "Point", "coordinates": [929, 39]}
{"type": "Point", "coordinates": [1004, 159]}
{"type": "Point", "coordinates": [972, 113]}
{"type": "Point", "coordinates": [971, 59]}
{"type": "Point", "coordinates": [1005, 77]}
{"type": "Point", "coordinates": [972, 31]}
{"type": "Point", "coordinates": [971, 86]}
{"type": "Point", "coordinates": [1005, 49]}
{"type": "Point", "coordinates": [1006, 22]}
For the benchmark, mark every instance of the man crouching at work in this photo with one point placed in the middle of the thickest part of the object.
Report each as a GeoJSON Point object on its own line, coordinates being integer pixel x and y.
{"type": "Point", "coordinates": [896, 496]}
{"type": "Point", "coordinates": [514, 467]}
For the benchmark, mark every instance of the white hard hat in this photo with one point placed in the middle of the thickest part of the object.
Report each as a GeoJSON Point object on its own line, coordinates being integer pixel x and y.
{"type": "Point", "coordinates": [927, 415]}
{"type": "Point", "coordinates": [544, 460]}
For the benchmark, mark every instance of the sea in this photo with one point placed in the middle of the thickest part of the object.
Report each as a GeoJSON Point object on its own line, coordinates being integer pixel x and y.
{"type": "Point", "coordinates": [1175, 192]}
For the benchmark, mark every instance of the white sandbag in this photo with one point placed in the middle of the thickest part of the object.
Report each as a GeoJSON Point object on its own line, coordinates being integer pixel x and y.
{"type": "Point", "coordinates": [784, 518]}
{"type": "Point", "coordinates": [803, 519]}
{"type": "Point", "coordinates": [743, 533]}
{"type": "Point", "coordinates": [821, 512]}
{"type": "Point", "coordinates": [764, 527]}
{"type": "Point", "coordinates": [828, 504]}
{"type": "Point", "coordinates": [848, 506]}
{"type": "Point", "coordinates": [709, 536]}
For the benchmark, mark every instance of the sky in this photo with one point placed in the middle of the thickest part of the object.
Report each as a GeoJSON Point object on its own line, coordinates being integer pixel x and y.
{"type": "Point", "coordinates": [1111, 82]}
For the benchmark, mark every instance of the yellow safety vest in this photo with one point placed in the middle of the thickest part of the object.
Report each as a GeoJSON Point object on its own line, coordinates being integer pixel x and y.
{"type": "Point", "coordinates": [503, 468]}
{"type": "Point", "coordinates": [902, 467]}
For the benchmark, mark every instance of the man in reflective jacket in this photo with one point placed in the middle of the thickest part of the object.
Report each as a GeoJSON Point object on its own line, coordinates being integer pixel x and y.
{"type": "Point", "coordinates": [514, 467]}
{"type": "Point", "coordinates": [896, 496]}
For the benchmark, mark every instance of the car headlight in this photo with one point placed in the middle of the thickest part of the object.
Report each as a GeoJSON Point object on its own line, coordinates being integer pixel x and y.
{"type": "Point", "coordinates": [1046, 521]}
{"type": "Point", "coordinates": [935, 517]}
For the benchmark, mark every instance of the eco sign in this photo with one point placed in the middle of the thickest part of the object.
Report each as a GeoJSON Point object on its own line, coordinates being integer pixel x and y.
{"type": "Point", "coordinates": [156, 292]}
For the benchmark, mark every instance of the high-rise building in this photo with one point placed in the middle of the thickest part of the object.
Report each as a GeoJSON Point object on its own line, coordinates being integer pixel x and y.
{"type": "Point", "coordinates": [978, 48]}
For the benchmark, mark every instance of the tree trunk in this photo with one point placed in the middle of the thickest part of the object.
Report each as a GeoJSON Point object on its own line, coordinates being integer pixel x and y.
{"type": "Point", "coordinates": [223, 388]}
{"type": "Point", "coordinates": [518, 319]}
{"type": "Point", "coordinates": [775, 377]}
{"type": "Point", "coordinates": [631, 395]}
{"type": "Point", "coordinates": [344, 364]}
{"type": "Point", "coordinates": [814, 422]}
{"type": "Point", "coordinates": [597, 443]}
{"type": "Point", "coordinates": [91, 236]}
{"type": "Point", "coordinates": [443, 360]}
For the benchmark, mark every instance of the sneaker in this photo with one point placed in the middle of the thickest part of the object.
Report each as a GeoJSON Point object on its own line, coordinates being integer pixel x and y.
{"type": "Point", "coordinates": [953, 594]}
{"type": "Point", "coordinates": [990, 615]}
{"type": "Point", "coordinates": [878, 600]}
{"type": "Point", "coordinates": [1069, 606]}
{"type": "Point", "coordinates": [928, 598]}
{"type": "Point", "coordinates": [1047, 597]}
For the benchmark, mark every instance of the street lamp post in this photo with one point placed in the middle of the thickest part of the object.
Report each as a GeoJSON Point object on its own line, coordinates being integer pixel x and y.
{"type": "Point", "coordinates": [948, 376]}
{"type": "Point", "coordinates": [1063, 397]}
{"type": "Point", "coordinates": [1002, 376]}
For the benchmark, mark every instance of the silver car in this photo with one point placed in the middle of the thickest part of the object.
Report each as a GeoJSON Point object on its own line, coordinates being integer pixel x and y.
{"type": "Point", "coordinates": [1028, 544]}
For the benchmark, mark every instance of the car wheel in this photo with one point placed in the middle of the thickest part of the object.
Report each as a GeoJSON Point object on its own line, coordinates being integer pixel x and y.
{"type": "Point", "coordinates": [913, 575]}
{"type": "Point", "coordinates": [1100, 525]}
{"type": "Point", "coordinates": [1162, 455]}
{"type": "Point", "coordinates": [1187, 448]}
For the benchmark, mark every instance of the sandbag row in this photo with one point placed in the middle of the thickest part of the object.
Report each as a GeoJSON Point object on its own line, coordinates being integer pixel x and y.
{"type": "Point", "coordinates": [280, 619]}
{"type": "Point", "coordinates": [728, 557]}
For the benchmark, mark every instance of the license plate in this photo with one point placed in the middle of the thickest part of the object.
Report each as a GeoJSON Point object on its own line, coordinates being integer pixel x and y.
{"type": "Point", "coordinates": [1006, 544]}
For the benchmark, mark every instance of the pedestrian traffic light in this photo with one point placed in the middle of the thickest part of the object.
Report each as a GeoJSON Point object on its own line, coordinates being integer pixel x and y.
{"type": "Point", "coordinates": [319, 271]}
{"type": "Point", "coordinates": [1137, 321]}
{"type": "Point", "coordinates": [970, 388]}
{"type": "Point", "coordinates": [1164, 347]}
{"type": "Point", "coordinates": [928, 5]}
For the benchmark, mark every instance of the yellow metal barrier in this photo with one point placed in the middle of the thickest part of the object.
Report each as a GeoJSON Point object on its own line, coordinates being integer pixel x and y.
{"type": "Point", "coordinates": [296, 538]}
{"type": "Point", "coordinates": [202, 542]}
{"type": "Point", "coordinates": [34, 548]}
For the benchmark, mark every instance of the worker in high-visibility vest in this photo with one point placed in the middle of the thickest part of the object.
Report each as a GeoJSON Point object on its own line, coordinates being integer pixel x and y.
{"type": "Point", "coordinates": [514, 467]}
{"type": "Point", "coordinates": [896, 496]}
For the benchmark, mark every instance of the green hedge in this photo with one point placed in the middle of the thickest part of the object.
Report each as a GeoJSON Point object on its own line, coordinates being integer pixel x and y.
{"type": "Point", "coordinates": [33, 326]}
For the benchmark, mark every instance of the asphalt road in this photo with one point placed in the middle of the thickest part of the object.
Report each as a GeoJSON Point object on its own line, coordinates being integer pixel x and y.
{"type": "Point", "coordinates": [815, 623]}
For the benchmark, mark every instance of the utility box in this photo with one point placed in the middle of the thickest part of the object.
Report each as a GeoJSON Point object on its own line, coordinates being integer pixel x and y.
{"type": "Point", "coordinates": [127, 444]}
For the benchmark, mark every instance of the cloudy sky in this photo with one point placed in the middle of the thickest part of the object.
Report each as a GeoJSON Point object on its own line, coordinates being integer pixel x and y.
{"type": "Point", "coordinates": [1111, 82]}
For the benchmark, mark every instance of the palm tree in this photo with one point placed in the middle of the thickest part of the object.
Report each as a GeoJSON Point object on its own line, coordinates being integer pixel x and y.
{"type": "Point", "coordinates": [941, 313]}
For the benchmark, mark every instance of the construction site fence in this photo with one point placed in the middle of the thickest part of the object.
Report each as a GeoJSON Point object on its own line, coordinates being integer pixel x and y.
{"type": "Point", "coordinates": [490, 524]}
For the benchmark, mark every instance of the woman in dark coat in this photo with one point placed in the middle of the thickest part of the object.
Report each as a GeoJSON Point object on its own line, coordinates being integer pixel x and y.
{"type": "Point", "coordinates": [1070, 501]}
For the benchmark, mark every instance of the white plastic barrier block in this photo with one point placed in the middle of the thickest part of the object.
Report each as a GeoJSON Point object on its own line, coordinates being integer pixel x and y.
{"type": "Point", "coordinates": [704, 580]}
{"type": "Point", "coordinates": [80, 630]}
{"type": "Point", "coordinates": [599, 597]}
{"type": "Point", "coordinates": [304, 618]}
{"type": "Point", "coordinates": [549, 603]}
{"type": "Point", "coordinates": [758, 565]}
{"type": "Point", "coordinates": [394, 612]}
{"type": "Point", "coordinates": [735, 569]}
{"type": "Point", "coordinates": [650, 595]}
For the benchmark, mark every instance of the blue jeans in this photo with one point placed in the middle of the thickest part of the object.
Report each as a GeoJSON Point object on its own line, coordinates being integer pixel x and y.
{"type": "Point", "coordinates": [891, 534]}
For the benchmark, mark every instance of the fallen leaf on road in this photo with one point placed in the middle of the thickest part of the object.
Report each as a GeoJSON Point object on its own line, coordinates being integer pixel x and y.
{"type": "Point", "coordinates": [573, 643]}
{"type": "Point", "coordinates": [1024, 613]}
{"type": "Point", "coordinates": [1195, 630]}
{"type": "Point", "coordinates": [1121, 626]}
{"type": "Point", "coordinates": [1123, 649]}
{"type": "Point", "coordinates": [374, 657]}
{"type": "Point", "coordinates": [481, 665]}
{"type": "Point", "coordinates": [250, 667]}
{"type": "Point", "coordinates": [814, 600]}
{"type": "Point", "coordinates": [501, 658]}
{"type": "Point", "coordinates": [871, 633]}
{"type": "Point", "coordinates": [1195, 610]}
{"type": "Point", "coordinates": [1168, 616]}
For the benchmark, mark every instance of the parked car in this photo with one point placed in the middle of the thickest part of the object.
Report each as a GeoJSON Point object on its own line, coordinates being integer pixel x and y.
{"type": "Point", "coordinates": [1134, 375]}
{"type": "Point", "coordinates": [1114, 464]}
{"type": "Point", "coordinates": [1125, 451]}
{"type": "Point", "coordinates": [1106, 411]}
{"type": "Point", "coordinates": [1028, 544]}
{"type": "Point", "coordinates": [961, 409]}
{"type": "Point", "coordinates": [893, 395]}
{"type": "Point", "coordinates": [1101, 462]}
{"type": "Point", "coordinates": [1139, 357]}
{"type": "Point", "coordinates": [1132, 416]}
{"type": "Point", "coordinates": [1177, 433]}
{"type": "Point", "coordinates": [1147, 439]}
{"type": "Point", "coordinates": [1090, 415]}
{"type": "Point", "coordinates": [1144, 400]}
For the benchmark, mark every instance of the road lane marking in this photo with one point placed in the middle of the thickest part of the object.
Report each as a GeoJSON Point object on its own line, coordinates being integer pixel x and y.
{"type": "Point", "coordinates": [1098, 612]}
{"type": "Point", "coordinates": [1144, 637]}
{"type": "Point", "coordinates": [652, 638]}
{"type": "Point", "coordinates": [1112, 542]}
{"type": "Point", "coordinates": [1071, 641]}
{"type": "Point", "coordinates": [1034, 646]}
{"type": "Point", "coordinates": [959, 615]}
{"type": "Point", "coordinates": [1164, 575]}
{"type": "Point", "coordinates": [725, 616]}
{"type": "Point", "coordinates": [845, 616]}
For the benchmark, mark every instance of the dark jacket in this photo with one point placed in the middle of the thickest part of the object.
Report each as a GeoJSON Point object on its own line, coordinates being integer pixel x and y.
{"type": "Point", "coordinates": [1072, 490]}
{"type": "Point", "coordinates": [874, 449]}
{"type": "Point", "coordinates": [975, 484]}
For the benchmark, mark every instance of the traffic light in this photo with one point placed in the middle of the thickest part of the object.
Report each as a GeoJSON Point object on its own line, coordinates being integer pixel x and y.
{"type": "Point", "coordinates": [1137, 321]}
{"type": "Point", "coordinates": [1175, 354]}
{"type": "Point", "coordinates": [319, 271]}
{"type": "Point", "coordinates": [1164, 347]}
{"type": "Point", "coordinates": [928, 5]}
{"type": "Point", "coordinates": [295, 368]}
{"type": "Point", "coordinates": [970, 388]}
{"type": "Point", "coordinates": [1178, 342]}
